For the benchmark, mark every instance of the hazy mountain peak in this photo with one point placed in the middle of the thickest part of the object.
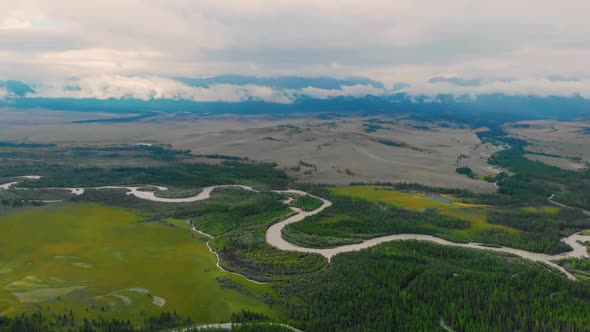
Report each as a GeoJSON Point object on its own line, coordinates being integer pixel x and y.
{"type": "Point", "coordinates": [16, 88]}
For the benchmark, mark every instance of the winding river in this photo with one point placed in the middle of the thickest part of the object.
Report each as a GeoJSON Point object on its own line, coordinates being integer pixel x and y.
{"type": "Point", "coordinates": [274, 232]}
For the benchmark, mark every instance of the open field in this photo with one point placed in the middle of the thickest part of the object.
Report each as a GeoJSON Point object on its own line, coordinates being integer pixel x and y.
{"type": "Point", "coordinates": [99, 261]}
{"type": "Point", "coordinates": [39, 195]}
{"type": "Point", "coordinates": [17, 117]}
{"type": "Point", "coordinates": [475, 214]}
{"type": "Point", "coordinates": [561, 162]}
{"type": "Point", "coordinates": [568, 140]}
{"type": "Point", "coordinates": [334, 151]}
{"type": "Point", "coordinates": [307, 203]}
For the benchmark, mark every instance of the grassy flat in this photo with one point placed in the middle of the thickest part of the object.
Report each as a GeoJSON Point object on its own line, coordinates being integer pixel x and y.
{"type": "Point", "coordinates": [444, 204]}
{"type": "Point", "coordinates": [97, 260]}
{"type": "Point", "coordinates": [409, 201]}
{"type": "Point", "coordinates": [307, 203]}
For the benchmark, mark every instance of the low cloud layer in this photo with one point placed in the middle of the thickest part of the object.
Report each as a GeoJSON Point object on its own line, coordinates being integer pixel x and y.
{"type": "Point", "coordinates": [146, 88]}
{"type": "Point", "coordinates": [153, 87]}
{"type": "Point", "coordinates": [356, 91]}
{"type": "Point", "coordinates": [391, 41]}
{"type": "Point", "coordinates": [456, 81]}
{"type": "Point", "coordinates": [543, 87]}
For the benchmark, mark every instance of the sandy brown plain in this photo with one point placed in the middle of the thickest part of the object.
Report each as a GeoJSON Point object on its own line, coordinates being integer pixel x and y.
{"type": "Point", "coordinates": [318, 150]}
{"type": "Point", "coordinates": [570, 141]}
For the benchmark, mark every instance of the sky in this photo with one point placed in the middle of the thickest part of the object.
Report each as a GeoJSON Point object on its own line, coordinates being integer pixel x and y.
{"type": "Point", "coordinates": [133, 48]}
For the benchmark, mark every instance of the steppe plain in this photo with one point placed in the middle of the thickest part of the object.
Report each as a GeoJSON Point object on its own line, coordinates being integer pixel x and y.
{"type": "Point", "coordinates": [311, 148]}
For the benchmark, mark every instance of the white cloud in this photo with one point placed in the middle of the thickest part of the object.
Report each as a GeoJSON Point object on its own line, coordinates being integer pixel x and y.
{"type": "Point", "coordinates": [387, 40]}
{"type": "Point", "coordinates": [100, 60]}
{"type": "Point", "coordinates": [145, 88]}
{"type": "Point", "coordinates": [153, 87]}
{"type": "Point", "coordinates": [540, 87]}
{"type": "Point", "coordinates": [357, 91]}
{"type": "Point", "coordinates": [14, 23]}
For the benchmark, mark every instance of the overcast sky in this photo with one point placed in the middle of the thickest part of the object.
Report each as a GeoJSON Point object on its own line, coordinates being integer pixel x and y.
{"type": "Point", "coordinates": [517, 46]}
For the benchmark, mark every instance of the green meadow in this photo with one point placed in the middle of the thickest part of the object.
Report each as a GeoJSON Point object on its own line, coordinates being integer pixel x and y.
{"type": "Point", "coordinates": [475, 214]}
{"type": "Point", "coordinates": [99, 261]}
{"type": "Point", "coordinates": [307, 203]}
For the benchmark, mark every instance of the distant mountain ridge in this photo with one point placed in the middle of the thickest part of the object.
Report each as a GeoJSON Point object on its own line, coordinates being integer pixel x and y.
{"type": "Point", "coordinates": [480, 110]}
{"type": "Point", "coordinates": [16, 88]}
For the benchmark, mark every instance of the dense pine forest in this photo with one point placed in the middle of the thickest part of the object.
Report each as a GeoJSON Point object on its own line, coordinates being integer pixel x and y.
{"type": "Point", "coordinates": [413, 286]}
